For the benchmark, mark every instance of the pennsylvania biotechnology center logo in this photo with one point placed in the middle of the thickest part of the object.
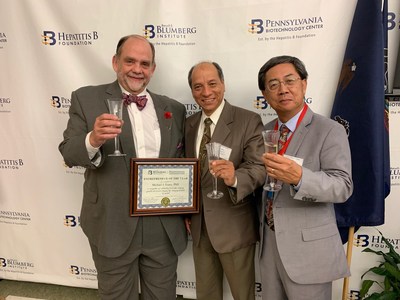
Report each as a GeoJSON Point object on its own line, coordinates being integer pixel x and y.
{"type": "Point", "coordinates": [285, 29]}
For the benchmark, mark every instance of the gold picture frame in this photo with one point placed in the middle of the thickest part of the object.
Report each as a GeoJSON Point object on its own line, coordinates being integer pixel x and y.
{"type": "Point", "coordinates": [164, 186]}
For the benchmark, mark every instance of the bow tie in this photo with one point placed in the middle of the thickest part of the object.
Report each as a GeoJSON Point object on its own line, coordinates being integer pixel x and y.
{"type": "Point", "coordinates": [139, 100]}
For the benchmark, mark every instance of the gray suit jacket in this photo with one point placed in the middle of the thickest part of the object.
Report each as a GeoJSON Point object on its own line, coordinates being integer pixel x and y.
{"type": "Point", "coordinates": [231, 220]}
{"type": "Point", "coordinates": [307, 236]}
{"type": "Point", "coordinates": [105, 208]}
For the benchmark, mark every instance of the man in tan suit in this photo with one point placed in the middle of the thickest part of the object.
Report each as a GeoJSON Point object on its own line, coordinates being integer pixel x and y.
{"type": "Point", "coordinates": [224, 232]}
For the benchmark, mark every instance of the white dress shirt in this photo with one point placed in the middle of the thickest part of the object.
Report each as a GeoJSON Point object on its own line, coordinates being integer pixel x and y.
{"type": "Point", "coordinates": [145, 128]}
{"type": "Point", "coordinates": [214, 118]}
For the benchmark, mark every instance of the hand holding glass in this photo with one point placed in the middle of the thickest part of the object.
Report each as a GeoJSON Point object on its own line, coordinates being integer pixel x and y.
{"type": "Point", "coordinates": [213, 152]}
{"type": "Point", "coordinates": [115, 106]}
{"type": "Point", "coordinates": [271, 140]}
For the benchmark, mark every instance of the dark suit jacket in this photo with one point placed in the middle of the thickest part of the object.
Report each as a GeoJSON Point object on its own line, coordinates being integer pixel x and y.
{"type": "Point", "coordinates": [105, 215]}
{"type": "Point", "coordinates": [306, 233]}
{"type": "Point", "coordinates": [231, 220]}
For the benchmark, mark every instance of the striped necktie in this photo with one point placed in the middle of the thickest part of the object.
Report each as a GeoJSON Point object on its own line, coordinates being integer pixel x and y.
{"type": "Point", "coordinates": [283, 137]}
{"type": "Point", "coordinates": [205, 140]}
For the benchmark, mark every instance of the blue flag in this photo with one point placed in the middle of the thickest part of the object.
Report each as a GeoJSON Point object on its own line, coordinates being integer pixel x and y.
{"type": "Point", "coordinates": [361, 108]}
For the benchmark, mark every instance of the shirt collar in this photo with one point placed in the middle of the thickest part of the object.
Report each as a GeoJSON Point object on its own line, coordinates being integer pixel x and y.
{"type": "Point", "coordinates": [144, 93]}
{"type": "Point", "coordinates": [215, 115]}
{"type": "Point", "coordinates": [292, 123]}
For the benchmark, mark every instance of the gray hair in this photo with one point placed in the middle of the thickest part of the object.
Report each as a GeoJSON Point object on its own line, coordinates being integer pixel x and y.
{"type": "Point", "coordinates": [217, 66]}
{"type": "Point", "coordinates": [277, 60]}
{"type": "Point", "coordinates": [122, 41]}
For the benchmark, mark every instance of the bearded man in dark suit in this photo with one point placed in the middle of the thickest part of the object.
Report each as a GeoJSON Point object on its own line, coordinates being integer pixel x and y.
{"type": "Point", "coordinates": [125, 247]}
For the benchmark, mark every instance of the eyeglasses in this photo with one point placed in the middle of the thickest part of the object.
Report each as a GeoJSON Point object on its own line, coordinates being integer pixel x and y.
{"type": "Point", "coordinates": [288, 82]}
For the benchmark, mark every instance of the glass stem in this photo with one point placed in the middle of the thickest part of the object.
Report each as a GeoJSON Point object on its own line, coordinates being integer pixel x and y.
{"type": "Point", "coordinates": [116, 144]}
{"type": "Point", "coordinates": [215, 186]}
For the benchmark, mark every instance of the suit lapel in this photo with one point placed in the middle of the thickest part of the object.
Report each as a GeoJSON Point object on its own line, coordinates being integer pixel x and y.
{"type": "Point", "coordinates": [222, 129]}
{"type": "Point", "coordinates": [300, 134]}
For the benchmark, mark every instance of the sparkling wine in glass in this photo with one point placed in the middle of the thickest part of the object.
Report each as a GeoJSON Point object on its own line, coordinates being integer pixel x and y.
{"type": "Point", "coordinates": [115, 106]}
{"type": "Point", "coordinates": [213, 152]}
{"type": "Point", "coordinates": [271, 140]}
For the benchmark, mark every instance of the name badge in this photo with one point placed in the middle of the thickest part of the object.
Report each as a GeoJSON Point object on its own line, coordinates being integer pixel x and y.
{"type": "Point", "coordinates": [225, 152]}
{"type": "Point", "coordinates": [297, 160]}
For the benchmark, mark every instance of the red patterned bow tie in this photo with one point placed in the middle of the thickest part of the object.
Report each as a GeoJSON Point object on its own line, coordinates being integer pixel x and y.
{"type": "Point", "coordinates": [139, 100]}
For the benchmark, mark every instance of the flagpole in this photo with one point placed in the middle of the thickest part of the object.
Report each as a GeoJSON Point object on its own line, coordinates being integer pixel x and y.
{"type": "Point", "coordinates": [349, 254]}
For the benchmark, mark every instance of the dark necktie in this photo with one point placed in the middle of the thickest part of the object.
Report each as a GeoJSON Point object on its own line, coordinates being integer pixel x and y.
{"type": "Point", "coordinates": [205, 140]}
{"type": "Point", "coordinates": [270, 195]}
{"type": "Point", "coordinates": [139, 100]}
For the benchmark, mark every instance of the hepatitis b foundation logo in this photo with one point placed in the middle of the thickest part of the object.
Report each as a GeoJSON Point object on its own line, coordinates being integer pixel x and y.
{"type": "Point", "coordinates": [375, 241]}
{"type": "Point", "coordinates": [52, 38]}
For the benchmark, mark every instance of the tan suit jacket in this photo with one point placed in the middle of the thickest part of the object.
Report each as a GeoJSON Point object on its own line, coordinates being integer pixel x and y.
{"type": "Point", "coordinates": [231, 221]}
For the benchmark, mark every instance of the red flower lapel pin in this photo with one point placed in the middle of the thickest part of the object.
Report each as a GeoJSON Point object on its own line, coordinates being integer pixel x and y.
{"type": "Point", "coordinates": [168, 119]}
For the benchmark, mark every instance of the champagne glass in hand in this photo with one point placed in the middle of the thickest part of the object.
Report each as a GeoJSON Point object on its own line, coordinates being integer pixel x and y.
{"type": "Point", "coordinates": [271, 140]}
{"type": "Point", "coordinates": [115, 108]}
{"type": "Point", "coordinates": [213, 150]}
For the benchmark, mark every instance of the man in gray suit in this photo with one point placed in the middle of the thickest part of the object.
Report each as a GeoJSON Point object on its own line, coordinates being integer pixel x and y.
{"type": "Point", "coordinates": [125, 247]}
{"type": "Point", "coordinates": [224, 232]}
{"type": "Point", "coordinates": [301, 250]}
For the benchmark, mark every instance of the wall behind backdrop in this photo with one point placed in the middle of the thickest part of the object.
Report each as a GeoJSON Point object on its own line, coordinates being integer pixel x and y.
{"type": "Point", "coordinates": [50, 48]}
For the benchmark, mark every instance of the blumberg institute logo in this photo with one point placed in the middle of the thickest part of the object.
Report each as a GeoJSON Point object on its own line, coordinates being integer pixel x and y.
{"type": "Point", "coordinates": [169, 34]}
{"type": "Point", "coordinates": [14, 265]}
{"type": "Point", "coordinates": [394, 175]}
{"type": "Point", "coordinates": [261, 104]}
{"type": "Point", "coordinates": [52, 38]}
{"type": "Point", "coordinates": [5, 105]}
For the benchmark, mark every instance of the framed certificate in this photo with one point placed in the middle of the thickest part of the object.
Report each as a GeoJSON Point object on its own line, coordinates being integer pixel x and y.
{"type": "Point", "coordinates": [164, 186]}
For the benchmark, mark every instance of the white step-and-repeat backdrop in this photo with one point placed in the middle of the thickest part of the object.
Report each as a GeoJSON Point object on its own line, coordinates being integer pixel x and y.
{"type": "Point", "coordinates": [50, 48]}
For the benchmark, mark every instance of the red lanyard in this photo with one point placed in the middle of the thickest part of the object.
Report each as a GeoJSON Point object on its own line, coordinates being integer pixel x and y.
{"type": "Point", "coordinates": [286, 145]}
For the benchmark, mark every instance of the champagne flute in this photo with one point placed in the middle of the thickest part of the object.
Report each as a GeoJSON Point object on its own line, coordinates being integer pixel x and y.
{"type": "Point", "coordinates": [115, 106]}
{"type": "Point", "coordinates": [213, 152]}
{"type": "Point", "coordinates": [271, 140]}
